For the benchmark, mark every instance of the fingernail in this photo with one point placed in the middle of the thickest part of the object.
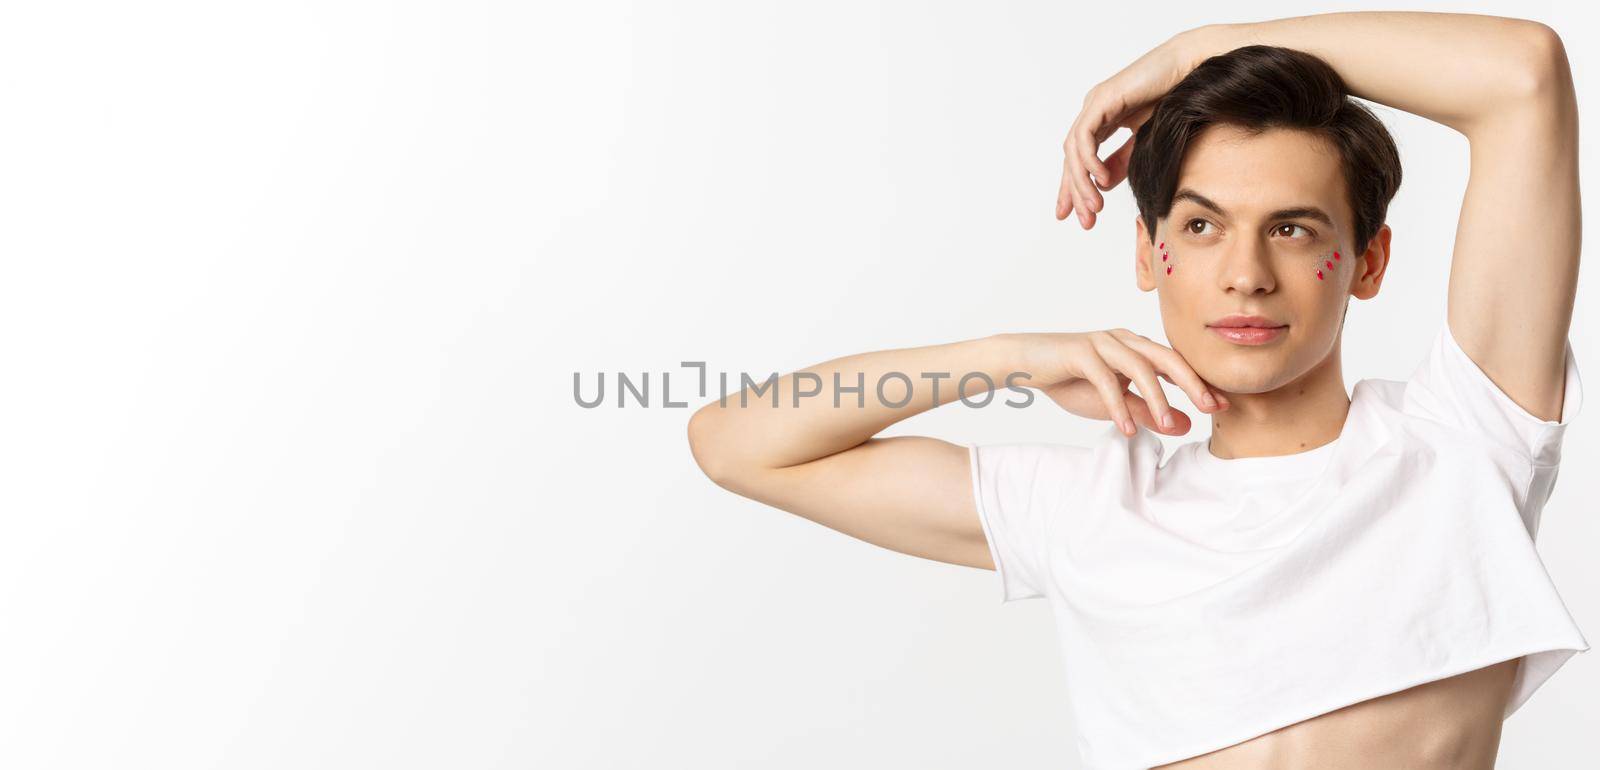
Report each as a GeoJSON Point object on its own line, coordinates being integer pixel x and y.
{"type": "Point", "coordinates": [1127, 427]}
{"type": "Point", "coordinates": [1210, 401]}
{"type": "Point", "coordinates": [1167, 422]}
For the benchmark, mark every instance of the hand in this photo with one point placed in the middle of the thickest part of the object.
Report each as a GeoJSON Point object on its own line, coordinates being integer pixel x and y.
{"type": "Point", "coordinates": [1087, 374]}
{"type": "Point", "coordinates": [1127, 99]}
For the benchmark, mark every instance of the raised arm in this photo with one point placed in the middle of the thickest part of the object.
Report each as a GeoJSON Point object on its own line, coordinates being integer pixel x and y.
{"type": "Point", "coordinates": [913, 494]}
{"type": "Point", "coordinates": [1504, 84]}
{"type": "Point", "coordinates": [806, 456]}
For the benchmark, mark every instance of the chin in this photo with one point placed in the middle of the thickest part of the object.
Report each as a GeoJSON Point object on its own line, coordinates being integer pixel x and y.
{"type": "Point", "coordinates": [1243, 370]}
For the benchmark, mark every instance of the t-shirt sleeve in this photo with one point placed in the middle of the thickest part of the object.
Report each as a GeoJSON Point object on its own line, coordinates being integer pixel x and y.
{"type": "Point", "coordinates": [1020, 489]}
{"type": "Point", "coordinates": [1449, 387]}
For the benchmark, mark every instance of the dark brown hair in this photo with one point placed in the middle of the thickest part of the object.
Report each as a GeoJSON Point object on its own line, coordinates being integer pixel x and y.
{"type": "Point", "coordinates": [1259, 87]}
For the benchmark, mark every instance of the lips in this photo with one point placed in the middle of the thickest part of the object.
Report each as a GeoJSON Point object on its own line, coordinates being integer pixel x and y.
{"type": "Point", "coordinates": [1247, 329]}
{"type": "Point", "coordinates": [1246, 322]}
{"type": "Point", "coordinates": [1248, 335]}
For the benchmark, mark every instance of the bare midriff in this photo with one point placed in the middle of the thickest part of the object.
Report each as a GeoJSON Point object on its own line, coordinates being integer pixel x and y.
{"type": "Point", "coordinates": [1449, 723]}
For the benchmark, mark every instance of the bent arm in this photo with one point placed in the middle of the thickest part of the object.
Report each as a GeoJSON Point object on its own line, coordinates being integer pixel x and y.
{"type": "Point", "coordinates": [1506, 85]}
{"type": "Point", "coordinates": [804, 455]}
{"type": "Point", "coordinates": [1457, 69]}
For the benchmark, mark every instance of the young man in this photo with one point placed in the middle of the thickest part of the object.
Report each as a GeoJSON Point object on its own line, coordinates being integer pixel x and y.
{"type": "Point", "coordinates": [1328, 580]}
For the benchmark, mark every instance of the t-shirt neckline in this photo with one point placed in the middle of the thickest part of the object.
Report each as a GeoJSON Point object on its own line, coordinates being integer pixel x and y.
{"type": "Point", "coordinates": [1267, 469]}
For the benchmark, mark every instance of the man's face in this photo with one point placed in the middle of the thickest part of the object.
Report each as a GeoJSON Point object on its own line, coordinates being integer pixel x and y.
{"type": "Point", "coordinates": [1260, 226]}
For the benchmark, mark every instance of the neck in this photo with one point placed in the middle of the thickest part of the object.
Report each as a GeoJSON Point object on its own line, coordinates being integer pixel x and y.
{"type": "Point", "coordinates": [1302, 415]}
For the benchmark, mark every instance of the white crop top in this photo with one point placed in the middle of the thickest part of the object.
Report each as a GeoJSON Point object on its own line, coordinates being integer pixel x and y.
{"type": "Point", "coordinates": [1207, 601]}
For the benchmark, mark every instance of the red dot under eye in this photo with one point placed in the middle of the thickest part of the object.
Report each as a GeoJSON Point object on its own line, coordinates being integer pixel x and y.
{"type": "Point", "coordinates": [1169, 269]}
{"type": "Point", "coordinates": [1163, 257]}
{"type": "Point", "coordinates": [1163, 245]}
{"type": "Point", "coordinates": [1329, 264]}
{"type": "Point", "coordinates": [1336, 255]}
{"type": "Point", "coordinates": [1319, 275]}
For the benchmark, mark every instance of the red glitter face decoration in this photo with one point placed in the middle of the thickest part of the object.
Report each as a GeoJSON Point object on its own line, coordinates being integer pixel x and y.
{"type": "Point", "coordinates": [1325, 262]}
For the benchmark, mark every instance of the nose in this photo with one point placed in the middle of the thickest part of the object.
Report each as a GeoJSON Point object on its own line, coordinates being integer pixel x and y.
{"type": "Point", "coordinates": [1247, 267]}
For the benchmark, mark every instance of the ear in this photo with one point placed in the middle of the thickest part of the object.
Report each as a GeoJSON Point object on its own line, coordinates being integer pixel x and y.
{"type": "Point", "coordinates": [1373, 266]}
{"type": "Point", "coordinates": [1143, 251]}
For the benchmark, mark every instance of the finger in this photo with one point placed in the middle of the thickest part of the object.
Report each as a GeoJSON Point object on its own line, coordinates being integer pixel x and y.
{"type": "Point", "coordinates": [1179, 372]}
{"type": "Point", "coordinates": [1064, 195]}
{"type": "Point", "coordinates": [1089, 184]}
{"type": "Point", "coordinates": [1143, 415]}
{"type": "Point", "coordinates": [1072, 178]}
{"type": "Point", "coordinates": [1117, 164]}
{"type": "Point", "coordinates": [1070, 186]}
{"type": "Point", "coordinates": [1082, 189]}
{"type": "Point", "coordinates": [1089, 138]}
{"type": "Point", "coordinates": [1111, 392]}
{"type": "Point", "coordinates": [1133, 363]}
{"type": "Point", "coordinates": [1222, 398]}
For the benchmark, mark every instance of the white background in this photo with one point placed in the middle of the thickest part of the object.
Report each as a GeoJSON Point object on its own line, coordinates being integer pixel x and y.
{"type": "Point", "coordinates": [294, 293]}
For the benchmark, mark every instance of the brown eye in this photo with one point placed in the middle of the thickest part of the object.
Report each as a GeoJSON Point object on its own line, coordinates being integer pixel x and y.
{"type": "Point", "coordinates": [1281, 227]}
{"type": "Point", "coordinates": [1190, 226]}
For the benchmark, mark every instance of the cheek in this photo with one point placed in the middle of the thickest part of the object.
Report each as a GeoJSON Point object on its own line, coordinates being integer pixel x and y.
{"type": "Point", "coordinates": [1167, 260]}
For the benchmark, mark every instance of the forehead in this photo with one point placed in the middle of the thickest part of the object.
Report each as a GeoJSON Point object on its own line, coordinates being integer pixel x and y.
{"type": "Point", "coordinates": [1250, 175]}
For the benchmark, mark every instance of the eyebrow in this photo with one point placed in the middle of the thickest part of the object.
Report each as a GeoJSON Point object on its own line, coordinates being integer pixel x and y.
{"type": "Point", "coordinates": [1296, 212]}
